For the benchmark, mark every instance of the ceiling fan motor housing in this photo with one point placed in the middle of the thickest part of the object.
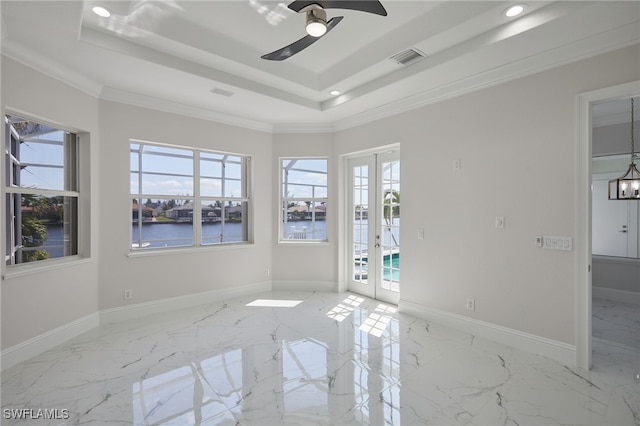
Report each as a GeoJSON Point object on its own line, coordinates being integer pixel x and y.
{"type": "Point", "coordinates": [316, 22]}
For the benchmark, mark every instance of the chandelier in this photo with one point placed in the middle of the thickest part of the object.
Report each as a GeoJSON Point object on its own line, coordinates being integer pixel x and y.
{"type": "Point", "coordinates": [627, 186]}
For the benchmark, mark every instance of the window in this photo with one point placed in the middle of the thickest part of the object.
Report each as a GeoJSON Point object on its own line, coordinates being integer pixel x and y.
{"type": "Point", "coordinates": [41, 194]}
{"type": "Point", "coordinates": [304, 199]}
{"type": "Point", "coordinates": [183, 197]}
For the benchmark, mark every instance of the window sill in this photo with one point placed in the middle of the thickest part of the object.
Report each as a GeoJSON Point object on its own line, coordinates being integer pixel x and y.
{"type": "Point", "coordinates": [186, 250]}
{"type": "Point", "coordinates": [18, 271]}
{"type": "Point", "coordinates": [304, 242]}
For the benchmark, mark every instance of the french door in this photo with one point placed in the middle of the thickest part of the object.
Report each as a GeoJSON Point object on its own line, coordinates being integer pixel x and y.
{"type": "Point", "coordinates": [374, 226]}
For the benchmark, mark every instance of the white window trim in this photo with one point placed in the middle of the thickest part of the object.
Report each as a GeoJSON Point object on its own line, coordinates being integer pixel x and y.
{"type": "Point", "coordinates": [197, 245]}
{"type": "Point", "coordinates": [83, 234]}
{"type": "Point", "coordinates": [281, 200]}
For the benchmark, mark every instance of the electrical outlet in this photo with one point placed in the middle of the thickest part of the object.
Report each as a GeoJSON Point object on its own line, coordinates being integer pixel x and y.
{"type": "Point", "coordinates": [457, 165]}
{"type": "Point", "coordinates": [128, 294]}
{"type": "Point", "coordinates": [471, 304]}
{"type": "Point", "coordinates": [267, 272]}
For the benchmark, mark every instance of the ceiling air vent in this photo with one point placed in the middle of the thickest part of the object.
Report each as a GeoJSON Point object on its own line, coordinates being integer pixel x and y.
{"type": "Point", "coordinates": [407, 57]}
{"type": "Point", "coordinates": [221, 92]}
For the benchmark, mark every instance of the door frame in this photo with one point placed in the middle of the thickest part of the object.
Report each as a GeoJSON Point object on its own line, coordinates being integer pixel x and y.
{"type": "Point", "coordinates": [583, 213]}
{"type": "Point", "coordinates": [344, 226]}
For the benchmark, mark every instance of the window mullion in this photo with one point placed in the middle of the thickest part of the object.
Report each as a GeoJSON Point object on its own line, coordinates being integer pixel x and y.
{"type": "Point", "coordinates": [224, 194]}
{"type": "Point", "coordinates": [197, 203]}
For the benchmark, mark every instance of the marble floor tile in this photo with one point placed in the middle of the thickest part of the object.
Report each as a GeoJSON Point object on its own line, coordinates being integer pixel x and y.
{"type": "Point", "coordinates": [326, 359]}
{"type": "Point", "coordinates": [616, 322]}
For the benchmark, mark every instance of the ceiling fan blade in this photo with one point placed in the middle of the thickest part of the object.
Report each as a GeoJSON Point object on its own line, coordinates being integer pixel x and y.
{"type": "Point", "coordinates": [371, 6]}
{"type": "Point", "coordinates": [298, 46]}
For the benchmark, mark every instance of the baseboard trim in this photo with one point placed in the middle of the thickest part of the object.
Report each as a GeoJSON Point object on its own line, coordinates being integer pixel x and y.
{"type": "Point", "coordinates": [622, 296]}
{"type": "Point", "coordinates": [45, 341]}
{"type": "Point", "coordinates": [296, 285]}
{"type": "Point", "coordinates": [559, 351]}
{"type": "Point", "coordinates": [138, 310]}
{"type": "Point", "coordinates": [36, 345]}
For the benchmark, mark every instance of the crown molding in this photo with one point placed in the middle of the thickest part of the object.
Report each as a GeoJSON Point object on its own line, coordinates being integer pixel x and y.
{"type": "Point", "coordinates": [304, 128]}
{"type": "Point", "coordinates": [68, 76]}
{"type": "Point", "coordinates": [145, 101]}
{"type": "Point", "coordinates": [582, 49]}
{"type": "Point", "coordinates": [609, 41]}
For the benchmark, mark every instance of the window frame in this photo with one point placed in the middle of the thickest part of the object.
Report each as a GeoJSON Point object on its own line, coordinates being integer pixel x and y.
{"type": "Point", "coordinates": [283, 201]}
{"type": "Point", "coordinates": [196, 199]}
{"type": "Point", "coordinates": [75, 236]}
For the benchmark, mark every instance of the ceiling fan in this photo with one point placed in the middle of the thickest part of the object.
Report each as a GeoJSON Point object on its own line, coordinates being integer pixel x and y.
{"type": "Point", "coordinates": [317, 24]}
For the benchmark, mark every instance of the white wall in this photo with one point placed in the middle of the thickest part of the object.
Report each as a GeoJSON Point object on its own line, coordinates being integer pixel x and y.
{"type": "Point", "coordinates": [517, 144]}
{"type": "Point", "coordinates": [38, 302]}
{"type": "Point", "coordinates": [614, 139]}
{"type": "Point", "coordinates": [309, 266]}
{"type": "Point", "coordinates": [616, 273]}
{"type": "Point", "coordinates": [178, 274]}
{"type": "Point", "coordinates": [516, 141]}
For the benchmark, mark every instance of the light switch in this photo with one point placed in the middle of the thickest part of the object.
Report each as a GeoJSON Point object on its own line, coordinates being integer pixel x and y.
{"type": "Point", "coordinates": [420, 234]}
{"type": "Point", "coordinates": [499, 222]}
{"type": "Point", "coordinates": [557, 243]}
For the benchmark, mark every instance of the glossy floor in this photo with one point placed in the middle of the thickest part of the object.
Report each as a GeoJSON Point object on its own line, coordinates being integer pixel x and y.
{"type": "Point", "coordinates": [616, 323]}
{"type": "Point", "coordinates": [313, 358]}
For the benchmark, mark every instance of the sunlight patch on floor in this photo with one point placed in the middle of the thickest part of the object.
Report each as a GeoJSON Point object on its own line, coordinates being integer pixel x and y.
{"type": "Point", "coordinates": [378, 321]}
{"type": "Point", "coordinates": [343, 309]}
{"type": "Point", "coordinates": [275, 303]}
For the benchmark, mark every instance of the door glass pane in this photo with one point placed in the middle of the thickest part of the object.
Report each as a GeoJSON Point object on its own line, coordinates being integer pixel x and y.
{"type": "Point", "coordinates": [360, 216]}
{"type": "Point", "coordinates": [390, 225]}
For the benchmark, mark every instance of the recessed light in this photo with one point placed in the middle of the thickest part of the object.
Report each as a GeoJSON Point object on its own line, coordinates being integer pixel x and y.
{"type": "Point", "coordinates": [101, 11]}
{"type": "Point", "coordinates": [515, 10]}
{"type": "Point", "coordinates": [335, 92]}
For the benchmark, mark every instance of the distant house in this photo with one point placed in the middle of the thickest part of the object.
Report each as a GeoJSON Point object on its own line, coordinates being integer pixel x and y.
{"type": "Point", "coordinates": [361, 212]}
{"type": "Point", "coordinates": [185, 213]}
{"type": "Point", "coordinates": [147, 212]}
{"type": "Point", "coordinates": [153, 205]}
{"type": "Point", "coordinates": [303, 212]}
{"type": "Point", "coordinates": [233, 212]}
{"type": "Point", "coordinates": [210, 214]}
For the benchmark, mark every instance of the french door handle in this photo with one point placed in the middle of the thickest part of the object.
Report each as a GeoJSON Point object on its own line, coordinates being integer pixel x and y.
{"type": "Point", "coordinates": [378, 245]}
{"type": "Point", "coordinates": [624, 231]}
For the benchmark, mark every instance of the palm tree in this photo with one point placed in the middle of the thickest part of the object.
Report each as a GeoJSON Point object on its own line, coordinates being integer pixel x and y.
{"type": "Point", "coordinates": [391, 209]}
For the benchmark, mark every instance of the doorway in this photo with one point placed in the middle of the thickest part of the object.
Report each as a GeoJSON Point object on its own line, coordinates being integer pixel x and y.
{"type": "Point", "coordinates": [373, 228]}
{"type": "Point", "coordinates": [584, 234]}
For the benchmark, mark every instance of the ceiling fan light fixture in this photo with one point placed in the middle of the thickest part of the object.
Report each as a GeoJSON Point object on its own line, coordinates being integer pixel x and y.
{"type": "Point", "coordinates": [316, 22]}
